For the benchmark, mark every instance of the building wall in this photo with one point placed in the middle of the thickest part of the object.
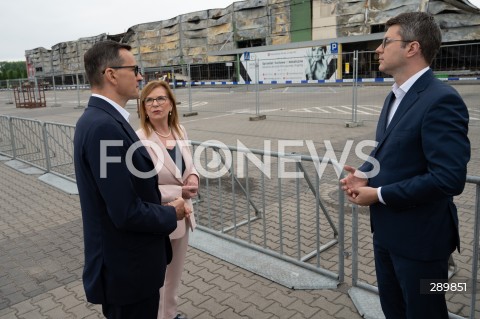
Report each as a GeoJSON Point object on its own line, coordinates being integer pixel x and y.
{"type": "Point", "coordinates": [187, 38]}
{"type": "Point", "coordinates": [280, 17]}
{"type": "Point", "coordinates": [38, 61]}
{"type": "Point", "coordinates": [301, 20]}
{"type": "Point", "coordinates": [324, 21]}
{"type": "Point", "coordinates": [332, 19]}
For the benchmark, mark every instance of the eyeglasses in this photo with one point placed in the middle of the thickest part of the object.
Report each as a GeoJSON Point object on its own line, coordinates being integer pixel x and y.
{"type": "Point", "coordinates": [388, 40]}
{"type": "Point", "coordinates": [134, 68]}
{"type": "Point", "coordinates": [160, 100]}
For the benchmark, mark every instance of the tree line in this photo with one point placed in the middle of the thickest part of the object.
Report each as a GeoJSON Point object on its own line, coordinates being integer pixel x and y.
{"type": "Point", "coordinates": [13, 70]}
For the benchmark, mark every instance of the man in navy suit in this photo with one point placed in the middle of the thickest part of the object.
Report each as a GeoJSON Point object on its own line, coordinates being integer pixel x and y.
{"type": "Point", "coordinates": [422, 152]}
{"type": "Point", "coordinates": [125, 228]}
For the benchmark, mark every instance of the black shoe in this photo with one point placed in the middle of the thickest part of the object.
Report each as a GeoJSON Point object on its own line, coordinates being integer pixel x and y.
{"type": "Point", "coordinates": [179, 316]}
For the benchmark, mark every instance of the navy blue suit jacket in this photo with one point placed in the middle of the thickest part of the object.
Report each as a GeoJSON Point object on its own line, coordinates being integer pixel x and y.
{"type": "Point", "coordinates": [423, 156]}
{"type": "Point", "coordinates": [125, 228]}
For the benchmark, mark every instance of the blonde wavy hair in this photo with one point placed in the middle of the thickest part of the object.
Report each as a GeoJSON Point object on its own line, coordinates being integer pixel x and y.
{"type": "Point", "coordinates": [173, 121]}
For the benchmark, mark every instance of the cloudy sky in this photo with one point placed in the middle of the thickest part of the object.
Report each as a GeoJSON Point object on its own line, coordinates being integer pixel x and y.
{"type": "Point", "coordinates": [29, 24]}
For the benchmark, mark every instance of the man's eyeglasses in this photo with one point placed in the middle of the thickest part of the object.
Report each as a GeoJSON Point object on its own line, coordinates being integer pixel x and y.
{"type": "Point", "coordinates": [160, 100]}
{"type": "Point", "coordinates": [134, 68]}
{"type": "Point", "coordinates": [388, 40]}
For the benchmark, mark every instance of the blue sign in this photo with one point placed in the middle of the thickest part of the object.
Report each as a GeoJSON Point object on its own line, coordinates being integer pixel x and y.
{"type": "Point", "coordinates": [246, 56]}
{"type": "Point", "coordinates": [334, 47]}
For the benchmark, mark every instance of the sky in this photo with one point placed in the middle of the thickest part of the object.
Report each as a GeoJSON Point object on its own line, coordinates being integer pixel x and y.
{"type": "Point", "coordinates": [29, 24]}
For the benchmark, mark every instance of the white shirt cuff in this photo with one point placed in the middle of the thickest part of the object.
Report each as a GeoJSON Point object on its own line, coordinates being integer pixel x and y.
{"type": "Point", "coordinates": [379, 194]}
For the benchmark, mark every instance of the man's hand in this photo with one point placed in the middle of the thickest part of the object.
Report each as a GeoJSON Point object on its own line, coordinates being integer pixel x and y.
{"type": "Point", "coordinates": [354, 180]}
{"type": "Point", "coordinates": [190, 187]}
{"type": "Point", "coordinates": [364, 196]}
{"type": "Point", "coordinates": [180, 209]}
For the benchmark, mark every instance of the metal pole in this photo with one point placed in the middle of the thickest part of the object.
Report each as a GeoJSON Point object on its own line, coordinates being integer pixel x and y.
{"type": "Point", "coordinates": [10, 93]}
{"type": "Point", "coordinates": [140, 62]}
{"type": "Point", "coordinates": [45, 145]}
{"type": "Point", "coordinates": [35, 89]}
{"type": "Point", "coordinates": [173, 81]}
{"type": "Point", "coordinates": [53, 83]}
{"type": "Point", "coordinates": [299, 225]}
{"type": "Point", "coordinates": [476, 252]}
{"type": "Point", "coordinates": [54, 92]}
{"type": "Point", "coordinates": [189, 86]}
{"type": "Point", "coordinates": [12, 138]}
{"type": "Point", "coordinates": [237, 67]}
{"type": "Point", "coordinates": [354, 87]}
{"type": "Point", "coordinates": [257, 88]}
{"type": "Point", "coordinates": [189, 89]}
{"type": "Point", "coordinates": [354, 245]}
{"type": "Point", "coordinates": [341, 235]}
{"type": "Point", "coordinates": [79, 106]}
{"type": "Point", "coordinates": [78, 91]}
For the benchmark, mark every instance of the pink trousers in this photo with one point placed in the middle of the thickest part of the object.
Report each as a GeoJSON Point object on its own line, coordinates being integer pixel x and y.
{"type": "Point", "coordinates": [169, 291]}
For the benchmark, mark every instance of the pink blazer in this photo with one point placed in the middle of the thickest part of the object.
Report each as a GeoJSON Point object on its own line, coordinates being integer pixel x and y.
{"type": "Point", "coordinates": [170, 180]}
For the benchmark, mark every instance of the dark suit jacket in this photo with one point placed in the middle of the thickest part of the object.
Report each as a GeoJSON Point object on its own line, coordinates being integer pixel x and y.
{"type": "Point", "coordinates": [125, 227]}
{"type": "Point", "coordinates": [423, 156]}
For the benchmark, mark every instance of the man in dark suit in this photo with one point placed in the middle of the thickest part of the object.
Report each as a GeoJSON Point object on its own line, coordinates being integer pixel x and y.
{"type": "Point", "coordinates": [125, 227]}
{"type": "Point", "coordinates": [422, 153]}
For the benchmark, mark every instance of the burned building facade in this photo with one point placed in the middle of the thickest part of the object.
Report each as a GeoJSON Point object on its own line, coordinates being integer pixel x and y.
{"type": "Point", "coordinates": [192, 37]}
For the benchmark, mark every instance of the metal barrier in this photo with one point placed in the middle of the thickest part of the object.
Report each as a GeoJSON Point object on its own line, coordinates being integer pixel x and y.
{"type": "Point", "coordinates": [355, 94]}
{"type": "Point", "coordinates": [280, 204]}
{"type": "Point", "coordinates": [349, 86]}
{"type": "Point", "coordinates": [28, 142]}
{"type": "Point", "coordinates": [470, 282]}
{"type": "Point", "coordinates": [285, 218]}
{"type": "Point", "coordinates": [59, 149]}
{"type": "Point", "coordinates": [249, 200]}
{"type": "Point", "coordinates": [45, 145]}
{"type": "Point", "coordinates": [6, 147]}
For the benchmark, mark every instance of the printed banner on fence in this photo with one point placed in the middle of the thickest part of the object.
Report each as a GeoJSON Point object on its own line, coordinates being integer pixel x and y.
{"type": "Point", "coordinates": [315, 63]}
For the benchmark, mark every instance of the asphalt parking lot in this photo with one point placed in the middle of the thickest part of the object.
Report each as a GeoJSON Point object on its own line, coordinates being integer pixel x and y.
{"type": "Point", "coordinates": [40, 227]}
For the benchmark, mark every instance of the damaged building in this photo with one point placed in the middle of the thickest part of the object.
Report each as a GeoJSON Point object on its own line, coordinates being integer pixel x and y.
{"type": "Point", "coordinates": [219, 36]}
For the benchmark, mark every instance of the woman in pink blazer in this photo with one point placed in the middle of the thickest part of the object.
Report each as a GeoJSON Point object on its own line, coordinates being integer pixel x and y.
{"type": "Point", "coordinates": [167, 142]}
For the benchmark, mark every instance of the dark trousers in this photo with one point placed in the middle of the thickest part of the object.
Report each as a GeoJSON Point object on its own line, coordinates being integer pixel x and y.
{"type": "Point", "coordinates": [400, 282]}
{"type": "Point", "coordinates": [144, 309]}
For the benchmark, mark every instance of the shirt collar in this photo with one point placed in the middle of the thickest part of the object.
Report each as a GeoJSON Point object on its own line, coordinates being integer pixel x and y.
{"type": "Point", "coordinates": [400, 91]}
{"type": "Point", "coordinates": [120, 109]}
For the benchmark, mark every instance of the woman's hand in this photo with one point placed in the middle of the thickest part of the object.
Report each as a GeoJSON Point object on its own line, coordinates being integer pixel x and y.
{"type": "Point", "coordinates": [190, 187]}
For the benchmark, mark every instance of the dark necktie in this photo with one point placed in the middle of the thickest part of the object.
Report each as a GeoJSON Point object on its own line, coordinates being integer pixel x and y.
{"type": "Point", "coordinates": [390, 110]}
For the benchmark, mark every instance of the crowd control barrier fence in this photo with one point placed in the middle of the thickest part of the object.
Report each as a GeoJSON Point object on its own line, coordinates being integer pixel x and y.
{"type": "Point", "coordinates": [286, 205]}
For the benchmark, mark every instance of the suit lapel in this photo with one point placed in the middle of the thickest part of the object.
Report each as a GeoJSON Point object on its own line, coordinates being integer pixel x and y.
{"type": "Point", "coordinates": [407, 103]}
{"type": "Point", "coordinates": [382, 120]}
{"type": "Point", "coordinates": [108, 108]}
{"type": "Point", "coordinates": [168, 162]}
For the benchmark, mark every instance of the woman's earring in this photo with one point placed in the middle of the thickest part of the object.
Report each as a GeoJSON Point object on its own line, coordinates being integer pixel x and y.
{"type": "Point", "coordinates": [170, 113]}
{"type": "Point", "coordinates": [147, 116]}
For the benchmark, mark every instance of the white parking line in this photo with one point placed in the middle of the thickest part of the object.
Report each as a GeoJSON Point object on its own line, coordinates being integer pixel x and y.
{"type": "Point", "coordinates": [184, 104]}
{"type": "Point", "coordinates": [343, 109]}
